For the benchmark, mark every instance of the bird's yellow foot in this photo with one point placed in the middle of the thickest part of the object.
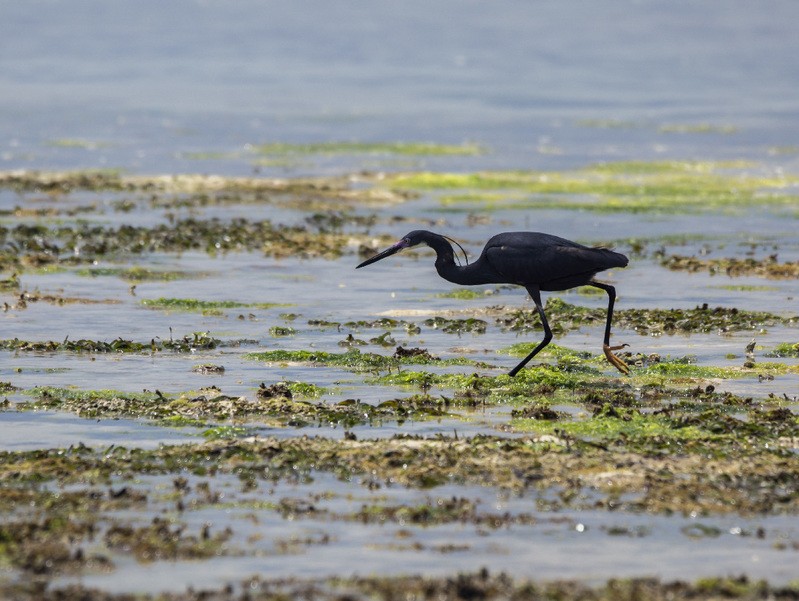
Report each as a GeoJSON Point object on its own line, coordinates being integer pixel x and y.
{"type": "Point", "coordinates": [614, 360]}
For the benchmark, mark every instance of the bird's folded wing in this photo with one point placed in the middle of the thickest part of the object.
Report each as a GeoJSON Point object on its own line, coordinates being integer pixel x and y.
{"type": "Point", "coordinates": [530, 265]}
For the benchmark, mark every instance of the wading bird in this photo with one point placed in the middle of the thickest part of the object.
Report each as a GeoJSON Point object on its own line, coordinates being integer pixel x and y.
{"type": "Point", "coordinates": [539, 262]}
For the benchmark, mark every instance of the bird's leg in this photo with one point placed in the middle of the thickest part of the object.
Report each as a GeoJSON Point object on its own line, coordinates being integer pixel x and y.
{"type": "Point", "coordinates": [535, 294]}
{"type": "Point", "coordinates": [608, 350]}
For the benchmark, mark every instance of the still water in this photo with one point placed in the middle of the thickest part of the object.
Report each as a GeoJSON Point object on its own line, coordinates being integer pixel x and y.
{"type": "Point", "coordinates": [149, 82]}
{"type": "Point", "coordinates": [192, 86]}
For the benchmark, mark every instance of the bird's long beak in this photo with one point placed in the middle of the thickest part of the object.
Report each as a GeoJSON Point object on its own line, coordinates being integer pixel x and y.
{"type": "Point", "coordinates": [386, 253]}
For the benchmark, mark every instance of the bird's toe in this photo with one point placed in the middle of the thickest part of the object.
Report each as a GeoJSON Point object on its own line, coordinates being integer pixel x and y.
{"type": "Point", "coordinates": [615, 361]}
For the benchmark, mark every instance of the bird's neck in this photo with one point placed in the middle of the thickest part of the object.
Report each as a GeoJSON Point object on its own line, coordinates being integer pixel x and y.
{"type": "Point", "coordinates": [446, 267]}
{"type": "Point", "coordinates": [445, 257]}
{"type": "Point", "coordinates": [468, 275]}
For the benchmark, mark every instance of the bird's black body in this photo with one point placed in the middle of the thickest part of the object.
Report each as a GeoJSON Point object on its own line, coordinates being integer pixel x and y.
{"type": "Point", "coordinates": [537, 261]}
{"type": "Point", "coordinates": [531, 258]}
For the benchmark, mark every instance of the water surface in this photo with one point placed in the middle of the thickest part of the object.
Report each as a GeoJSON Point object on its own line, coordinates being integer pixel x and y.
{"type": "Point", "coordinates": [195, 87]}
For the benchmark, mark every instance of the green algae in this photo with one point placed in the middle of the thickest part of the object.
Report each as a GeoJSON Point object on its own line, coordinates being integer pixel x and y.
{"type": "Point", "coordinates": [186, 344]}
{"type": "Point", "coordinates": [138, 274]}
{"type": "Point", "coordinates": [10, 284]}
{"type": "Point", "coordinates": [697, 128]}
{"type": "Point", "coordinates": [283, 403]}
{"type": "Point", "coordinates": [579, 378]}
{"type": "Point", "coordinates": [730, 470]}
{"type": "Point", "coordinates": [26, 297]}
{"type": "Point", "coordinates": [607, 124]}
{"type": "Point", "coordinates": [40, 547]}
{"type": "Point", "coordinates": [493, 587]}
{"type": "Point", "coordinates": [702, 319]}
{"type": "Point", "coordinates": [480, 389]}
{"type": "Point", "coordinates": [537, 409]}
{"type": "Point", "coordinates": [783, 150]}
{"type": "Point", "coordinates": [353, 359]}
{"type": "Point", "coordinates": [784, 349]}
{"type": "Point", "coordinates": [77, 143]}
{"type": "Point", "coordinates": [284, 400]}
{"type": "Point", "coordinates": [429, 513]}
{"type": "Point", "coordinates": [464, 294]}
{"type": "Point", "coordinates": [659, 441]}
{"type": "Point", "coordinates": [111, 404]}
{"type": "Point", "coordinates": [692, 458]}
{"type": "Point", "coordinates": [571, 370]}
{"type": "Point", "coordinates": [522, 349]}
{"type": "Point", "coordinates": [162, 540]}
{"type": "Point", "coordinates": [457, 326]}
{"type": "Point", "coordinates": [331, 202]}
{"type": "Point", "coordinates": [384, 340]}
{"type": "Point", "coordinates": [281, 331]}
{"type": "Point", "coordinates": [352, 412]}
{"type": "Point", "coordinates": [619, 424]}
{"type": "Point", "coordinates": [41, 244]}
{"type": "Point", "coordinates": [46, 547]}
{"type": "Point", "coordinates": [626, 186]}
{"type": "Point", "coordinates": [735, 267]}
{"type": "Point", "coordinates": [746, 288]}
{"type": "Point", "coordinates": [679, 426]}
{"type": "Point", "coordinates": [685, 368]}
{"type": "Point", "coordinates": [197, 305]}
{"type": "Point", "coordinates": [7, 387]}
{"type": "Point", "coordinates": [391, 148]}
{"type": "Point", "coordinates": [563, 316]}
{"type": "Point", "coordinates": [481, 584]}
{"type": "Point", "coordinates": [305, 390]}
{"type": "Point", "coordinates": [382, 323]}
{"type": "Point", "coordinates": [670, 167]}
{"type": "Point", "coordinates": [111, 180]}
{"type": "Point", "coordinates": [350, 341]}
{"type": "Point", "coordinates": [224, 432]}
{"type": "Point", "coordinates": [208, 369]}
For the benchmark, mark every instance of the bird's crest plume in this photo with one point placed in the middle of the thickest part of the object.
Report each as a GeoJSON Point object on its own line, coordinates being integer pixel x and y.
{"type": "Point", "coordinates": [455, 242]}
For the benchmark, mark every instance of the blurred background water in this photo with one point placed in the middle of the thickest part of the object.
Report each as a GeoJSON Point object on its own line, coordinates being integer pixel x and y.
{"type": "Point", "coordinates": [138, 85]}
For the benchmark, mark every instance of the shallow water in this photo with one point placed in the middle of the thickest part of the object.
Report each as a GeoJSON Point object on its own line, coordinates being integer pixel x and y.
{"type": "Point", "coordinates": [552, 88]}
{"type": "Point", "coordinates": [146, 87]}
{"type": "Point", "coordinates": [523, 552]}
{"type": "Point", "coordinates": [49, 429]}
{"type": "Point", "coordinates": [582, 545]}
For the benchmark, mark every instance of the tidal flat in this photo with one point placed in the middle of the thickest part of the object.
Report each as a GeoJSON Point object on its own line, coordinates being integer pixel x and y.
{"type": "Point", "coordinates": [203, 397]}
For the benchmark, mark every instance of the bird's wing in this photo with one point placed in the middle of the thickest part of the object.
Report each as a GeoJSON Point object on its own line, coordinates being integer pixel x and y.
{"type": "Point", "coordinates": [537, 260]}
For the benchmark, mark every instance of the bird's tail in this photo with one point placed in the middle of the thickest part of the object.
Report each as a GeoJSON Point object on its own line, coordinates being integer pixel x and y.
{"type": "Point", "coordinates": [613, 258]}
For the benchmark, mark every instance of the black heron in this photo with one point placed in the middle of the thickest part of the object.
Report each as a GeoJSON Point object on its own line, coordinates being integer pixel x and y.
{"type": "Point", "coordinates": [539, 262]}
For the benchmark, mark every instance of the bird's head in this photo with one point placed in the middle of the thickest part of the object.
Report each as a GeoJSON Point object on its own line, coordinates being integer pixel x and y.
{"type": "Point", "coordinates": [441, 244]}
{"type": "Point", "coordinates": [411, 239]}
